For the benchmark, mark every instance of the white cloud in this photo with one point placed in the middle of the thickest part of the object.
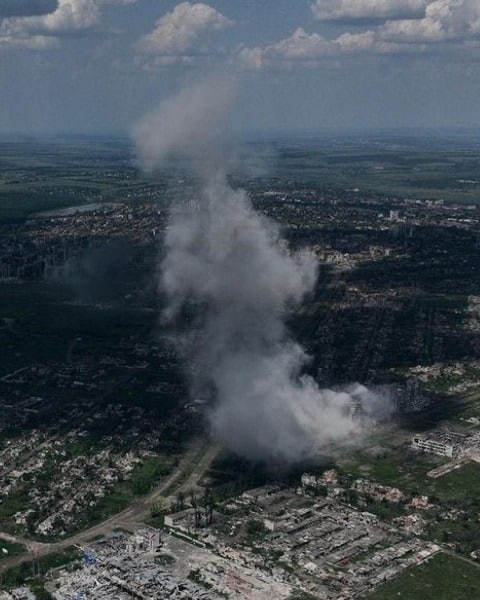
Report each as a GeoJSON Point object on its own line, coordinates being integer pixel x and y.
{"type": "Point", "coordinates": [177, 33]}
{"type": "Point", "coordinates": [355, 41]}
{"type": "Point", "coordinates": [33, 42]}
{"type": "Point", "coordinates": [338, 10]}
{"type": "Point", "coordinates": [37, 32]}
{"type": "Point", "coordinates": [300, 45]}
{"type": "Point", "coordinates": [457, 20]}
{"type": "Point", "coordinates": [305, 48]}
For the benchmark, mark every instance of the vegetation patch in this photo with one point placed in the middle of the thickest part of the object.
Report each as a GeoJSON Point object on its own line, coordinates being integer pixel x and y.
{"type": "Point", "coordinates": [443, 577]}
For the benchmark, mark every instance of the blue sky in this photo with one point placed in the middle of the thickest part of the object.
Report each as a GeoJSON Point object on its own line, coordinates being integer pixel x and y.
{"type": "Point", "coordinates": [91, 66]}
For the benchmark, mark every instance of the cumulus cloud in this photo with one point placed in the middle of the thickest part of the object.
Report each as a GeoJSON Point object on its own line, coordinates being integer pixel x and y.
{"type": "Point", "coordinates": [457, 20]}
{"type": "Point", "coordinates": [30, 42]}
{"type": "Point", "coordinates": [34, 31]}
{"type": "Point", "coordinates": [176, 34]}
{"type": "Point", "coordinates": [355, 41]}
{"type": "Point", "coordinates": [306, 48]}
{"type": "Point", "coordinates": [300, 45]}
{"type": "Point", "coordinates": [23, 8]}
{"type": "Point", "coordinates": [345, 10]}
{"type": "Point", "coordinates": [453, 21]}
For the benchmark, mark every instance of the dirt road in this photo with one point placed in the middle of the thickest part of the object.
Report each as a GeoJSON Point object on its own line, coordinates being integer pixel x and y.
{"type": "Point", "coordinates": [191, 467]}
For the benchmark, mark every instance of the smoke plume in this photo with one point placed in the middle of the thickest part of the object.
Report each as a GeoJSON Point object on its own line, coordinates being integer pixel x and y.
{"type": "Point", "coordinates": [229, 262]}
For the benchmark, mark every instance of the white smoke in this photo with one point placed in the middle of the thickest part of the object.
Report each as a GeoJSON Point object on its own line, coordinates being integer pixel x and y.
{"type": "Point", "coordinates": [186, 123]}
{"type": "Point", "coordinates": [228, 260]}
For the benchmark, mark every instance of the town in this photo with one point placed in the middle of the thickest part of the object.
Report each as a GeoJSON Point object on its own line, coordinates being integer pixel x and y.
{"type": "Point", "coordinates": [110, 484]}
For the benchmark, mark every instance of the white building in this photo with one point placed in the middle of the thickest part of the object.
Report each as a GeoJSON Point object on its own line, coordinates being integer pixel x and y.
{"type": "Point", "coordinates": [433, 446]}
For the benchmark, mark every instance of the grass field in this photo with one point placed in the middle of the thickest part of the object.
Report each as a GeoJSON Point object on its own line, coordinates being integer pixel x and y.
{"type": "Point", "coordinates": [443, 577]}
{"type": "Point", "coordinates": [460, 484]}
{"type": "Point", "coordinates": [408, 470]}
{"type": "Point", "coordinates": [412, 168]}
{"type": "Point", "coordinates": [10, 548]}
{"type": "Point", "coordinates": [54, 173]}
{"type": "Point", "coordinates": [22, 574]}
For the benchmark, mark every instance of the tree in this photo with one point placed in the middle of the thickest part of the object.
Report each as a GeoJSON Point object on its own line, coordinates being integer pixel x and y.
{"type": "Point", "coordinates": [181, 500]}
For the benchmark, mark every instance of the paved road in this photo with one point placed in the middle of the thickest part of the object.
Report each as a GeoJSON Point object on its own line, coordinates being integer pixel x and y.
{"type": "Point", "coordinates": [193, 464]}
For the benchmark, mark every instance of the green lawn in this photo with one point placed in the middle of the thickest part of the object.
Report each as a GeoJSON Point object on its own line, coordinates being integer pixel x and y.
{"type": "Point", "coordinates": [441, 578]}
{"type": "Point", "coordinates": [407, 469]}
{"type": "Point", "coordinates": [10, 548]}
{"type": "Point", "coordinates": [401, 467]}
{"type": "Point", "coordinates": [460, 485]}
{"type": "Point", "coordinates": [22, 574]}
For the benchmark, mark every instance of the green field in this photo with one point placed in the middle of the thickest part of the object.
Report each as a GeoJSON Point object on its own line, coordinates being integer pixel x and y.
{"type": "Point", "coordinates": [458, 485]}
{"type": "Point", "coordinates": [23, 574]}
{"type": "Point", "coordinates": [418, 168]}
{"type": "Point", "coordinates": [408, 470]}
{"type": "Point", "coordinates": [39, 175]}
{"type": "Point", "coordinates": [443, 577]}
{"type": "Point", "coordinates": [10, 548]}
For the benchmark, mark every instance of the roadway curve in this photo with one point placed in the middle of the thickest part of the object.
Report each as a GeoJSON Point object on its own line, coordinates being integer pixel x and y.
{"type": "Point", "coordinates": [192, 466]}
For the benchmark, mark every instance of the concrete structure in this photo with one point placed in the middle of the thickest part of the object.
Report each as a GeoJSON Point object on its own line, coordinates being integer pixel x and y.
{"type": "Point", "coordinates": [433, 446]}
